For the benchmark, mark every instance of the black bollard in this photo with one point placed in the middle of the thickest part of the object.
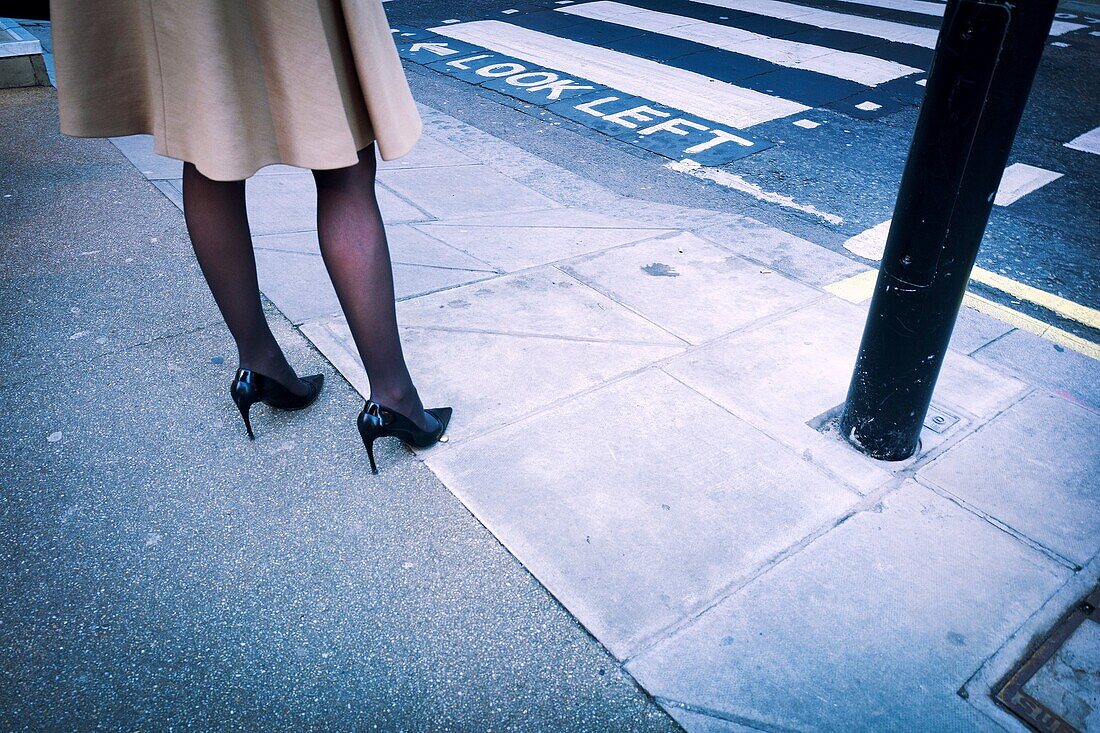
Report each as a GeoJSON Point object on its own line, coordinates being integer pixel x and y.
{"type": "Point", "coordinates": [982, 70]}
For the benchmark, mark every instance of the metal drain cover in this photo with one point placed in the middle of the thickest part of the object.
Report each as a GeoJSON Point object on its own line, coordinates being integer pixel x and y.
{"type": "Point", "coordinates": [1057, 689]}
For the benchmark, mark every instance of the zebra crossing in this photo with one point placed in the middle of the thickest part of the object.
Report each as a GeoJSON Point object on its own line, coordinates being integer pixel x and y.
{"type": "Point", "coordinates": [710, 81]}
{"type": "Point", "coordinates": [673, 76]}
{"type": "Point", "coordinates": [703, 81]}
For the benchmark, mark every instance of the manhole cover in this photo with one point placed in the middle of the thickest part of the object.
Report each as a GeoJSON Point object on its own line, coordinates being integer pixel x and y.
{"type": "Point", "coordinates": [1057, 689]}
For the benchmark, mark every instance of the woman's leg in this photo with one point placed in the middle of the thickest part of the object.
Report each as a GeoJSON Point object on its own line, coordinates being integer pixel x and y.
{"type": "Point", "coordinates": [218, 224]}
{"type": "Point", "coordinates": [354, 248]}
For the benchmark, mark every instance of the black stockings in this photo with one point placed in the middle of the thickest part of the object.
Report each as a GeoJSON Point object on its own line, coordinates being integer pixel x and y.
{"type": "Point", "coordinates": [355, 251]}
{"type": "Point", "coordinates": [356, 254]}
{"type": "Point", "coordinates": [218, 224]}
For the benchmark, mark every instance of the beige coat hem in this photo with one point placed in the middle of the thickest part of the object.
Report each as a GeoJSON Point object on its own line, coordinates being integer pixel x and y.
{"type": "Point", "coordinates": [234, 85]}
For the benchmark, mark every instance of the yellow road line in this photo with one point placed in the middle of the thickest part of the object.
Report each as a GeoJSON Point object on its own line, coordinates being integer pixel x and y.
{"type": "Point", "coordinates": [855, 289]}
{"type": "Point", "coordinates": [859, 288]}
{"type": "Point", "coordinates": [1025, 322]}
{"type": "Point", "coordinates": [1067, 308]}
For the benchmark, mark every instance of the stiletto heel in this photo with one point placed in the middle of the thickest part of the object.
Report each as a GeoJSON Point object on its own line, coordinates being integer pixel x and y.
{"type": "Point", "coordinates": [376, 421]}
{"type": "Point", "coordinates": [370, 429]}
{"type": "Point", "coordinates": [369, 443]}
{"type": "Point", "coordinates": [250, 387]}
{"type": "Point", "coordinates": [244, 408]}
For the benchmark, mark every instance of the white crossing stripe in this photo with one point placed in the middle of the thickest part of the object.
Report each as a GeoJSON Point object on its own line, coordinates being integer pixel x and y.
{"type": "Point", "coordinates": [885, 29]}
{"type": "Point", "coordinates": [866, 70]}
{"type": "Point", "coordinates": [693, 93]}
{"type": "Point", "coordinates": [1019, 180]}
{"type": "Point", "coordinates": [1088, 142]}
{"type": "Point", "coordinates": [923, 7]}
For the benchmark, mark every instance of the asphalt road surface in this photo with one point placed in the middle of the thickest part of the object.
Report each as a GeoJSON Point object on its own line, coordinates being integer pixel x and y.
{"type": "Point", "coordinates": [799, 113]}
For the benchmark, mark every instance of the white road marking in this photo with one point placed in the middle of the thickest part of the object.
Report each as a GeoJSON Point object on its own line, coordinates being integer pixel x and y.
{"type": "Point", "coordinates": [737, 183]}
{"type": "Point", "coordinates": [693, 93]}
{"type": "Point", "coordinates": [909, 6]}
{"type": "Point", "coordinates": [867, 70]}
{"type": "Point", "coordinates": [806, 124]}
{"type": "Point", "coordinates": [868, 106]}
{"type": "Point", "coordinates": [1019, 180]}
{"type": "Point", "coordinates": [923, 7]}
{"type": "Point", "coordinates": [1089, 142]}
{"type": "Point", "coordinates": [871, 242]}
{"type": "Point", "coordinates": [887, 30]}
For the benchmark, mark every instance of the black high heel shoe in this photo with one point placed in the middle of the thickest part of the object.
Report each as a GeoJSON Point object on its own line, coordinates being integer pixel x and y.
{"type": "Point", "coordinates": [250, 387]}
{"type": "Point", "coordinates": [376, 421]}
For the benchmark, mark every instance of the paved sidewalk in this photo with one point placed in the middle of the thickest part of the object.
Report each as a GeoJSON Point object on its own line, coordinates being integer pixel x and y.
{"type": "Point", "coordinates": [634, 386]}
{"type": "Point", "coordinates": [161, 572]}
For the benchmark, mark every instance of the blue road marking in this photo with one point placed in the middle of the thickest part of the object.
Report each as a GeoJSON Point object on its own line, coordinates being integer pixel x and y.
{"type": "Point", "coordinates": [465, 66]}
{"type": "Point", "coordinates": [659, 129]}
{"type": "Point", "coordinates": [542, 87]}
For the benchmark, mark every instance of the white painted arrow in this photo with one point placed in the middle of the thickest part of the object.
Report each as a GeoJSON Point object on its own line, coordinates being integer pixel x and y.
{"type": "Point", "coordinates": [439, 49]}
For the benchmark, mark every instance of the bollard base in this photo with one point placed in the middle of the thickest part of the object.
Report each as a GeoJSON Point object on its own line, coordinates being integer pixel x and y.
{"type": "Point", "coordinates": [892, 453]}
{"type": "Point", "coordinates": [940, 426]}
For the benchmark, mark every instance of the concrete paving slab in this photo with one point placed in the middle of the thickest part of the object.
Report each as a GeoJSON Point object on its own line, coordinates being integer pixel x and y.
{"type": "Point", "coordinates": [278, 204]}
{"type": "Point", "coordinates": [974, 329]}
{"type": "Point", "coordinates": [332, 337]}
{"type": "Point", "coordinates": [427, 153]}
{"type": "Point", "coordinates": [297, 283]}
{"type": "Point", "coordinates": [565, 187]}
{"type": "Point", "coordinates": [490, 379]}
{"type": "Point", "coordinates": [301, 242]}
{"type": "Point", "coordinates": [783, 375]}
{"type": "Point", "coordinates": [553, 218]}
{"type": "Point", "coordinates": [412, 281]}
{"type": "Point", "coordinates": [799, 366]}
{"type": "Point", "coordinates": [288, 203]}
{"type": "Point", "coordinates": [1040, 362]}
{"type": "Point", "coordinates": [540, 302]}
{"type": "Point", "coordinates": [462, 190]}
{"type": "Point", "coordinates": [786, 253]}
{"type": "Point", "coordinates": [998, 668]}
{"type": "Point", "coordinates": [872, 627]}
{"type": "Point", "coordinates": [1035, 468]}
{"type": "Point", "coordinates": [407, 246]}
{"type": "Point", "coordinates": [515, 247]}
{"type": "Point", "coordinates": [691, 287]}
{"type": "Point", "coordinates": [411, 246]}
{"type": "Point", "coordinates": [637, 503]}
{"type": "Point", "coordinates": [979, 389]}
{"type": "Point", "coordinates": [693, 722]}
